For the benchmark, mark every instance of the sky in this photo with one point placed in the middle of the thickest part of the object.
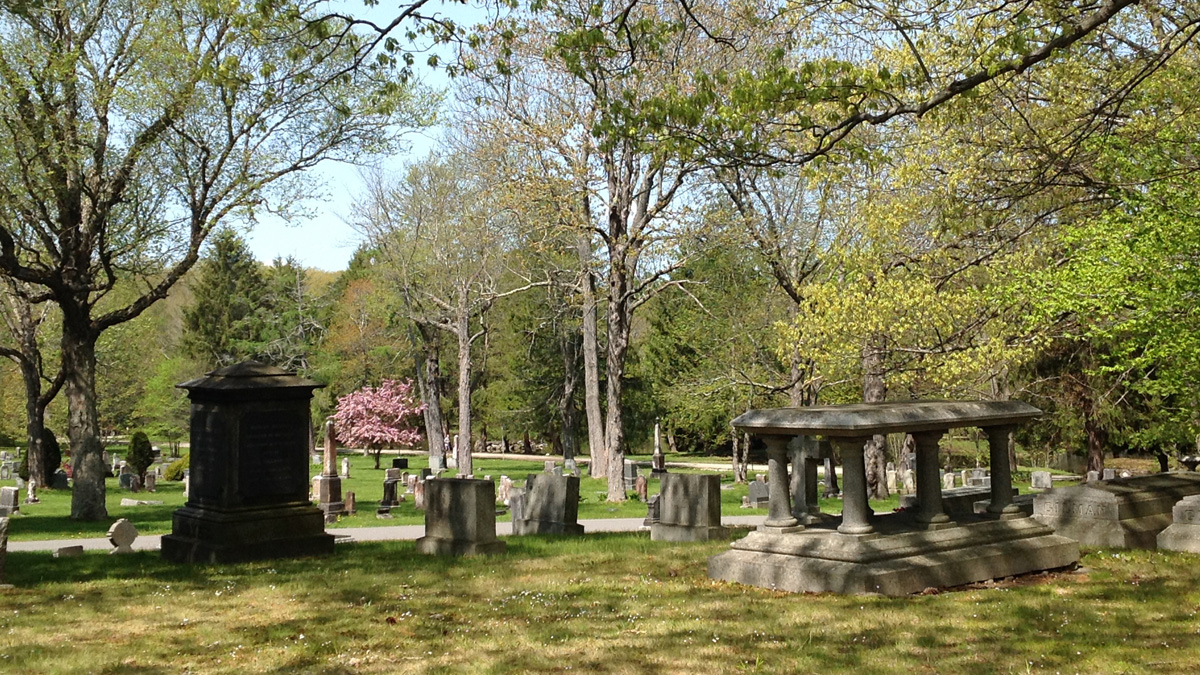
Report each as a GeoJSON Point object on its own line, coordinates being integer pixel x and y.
{"type": "Point", "coordinates": [325, 241]}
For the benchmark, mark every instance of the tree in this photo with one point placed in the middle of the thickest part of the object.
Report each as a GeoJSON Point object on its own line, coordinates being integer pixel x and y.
{"type": "Point", "coordinates": [133, 129]}
{"type": "Point", "coordinates": [141, 454]}
{"type": "Point", "coordinates": [24, 321]}
{"type": "Point", "coordinates": [374, 417]}
{"type": "Point", "coordinates": [226, 322]}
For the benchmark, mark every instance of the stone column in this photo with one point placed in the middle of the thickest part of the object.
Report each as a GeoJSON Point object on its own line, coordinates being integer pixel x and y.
{"type": "Point", "coordinates": [929, 480]}
{"type": "Point", "coordinates": [856, 512]}
{"type": "Point", "coordinates": [1001, 506]}
{"type": "Point", "coordinates": [779, 511]}
{"type": "Point", "coordinates": [329, 466]}
{"type": "Point", "coordinates": [803, 452]}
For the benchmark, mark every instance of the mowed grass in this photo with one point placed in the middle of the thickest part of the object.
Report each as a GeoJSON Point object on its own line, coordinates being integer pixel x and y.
{"type": "Point", "coordinates": [604, 603]}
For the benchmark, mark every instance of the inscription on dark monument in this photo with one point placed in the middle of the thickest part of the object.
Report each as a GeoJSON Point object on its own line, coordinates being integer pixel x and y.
{"type": "Point", "coordinates": [269, 465]}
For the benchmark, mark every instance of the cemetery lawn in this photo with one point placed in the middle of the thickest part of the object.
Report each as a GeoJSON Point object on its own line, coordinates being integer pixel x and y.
{"type": "Point", "coordinates": [606, 603]}
{"type": "Point", "coordinates": [50, 518]}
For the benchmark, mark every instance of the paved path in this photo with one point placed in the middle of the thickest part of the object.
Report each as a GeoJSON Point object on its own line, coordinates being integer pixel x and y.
{"type": "Point", "coordinates": [356, 534]}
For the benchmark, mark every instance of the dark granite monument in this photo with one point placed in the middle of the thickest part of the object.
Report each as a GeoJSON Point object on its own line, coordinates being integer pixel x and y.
{"type": "Point", "coordinates": [248, 487]}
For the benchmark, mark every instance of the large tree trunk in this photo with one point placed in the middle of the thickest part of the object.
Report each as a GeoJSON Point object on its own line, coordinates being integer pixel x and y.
{"type": "Point", "coordinates": [429, 380]}
{"type": "Point", "coordinates": [34, 424]}
{"type": "Point", "coordinates": [875, 391]}
{"type": "Point", "coordinates": [79, 365]}
{"type": "Point", "coordinates": [591, 365]}
{"type": "Point", "coordinates": [619, 315]}
{"type": "Point", "coordinates": [464, 395]}
{"type": "Point", "coordinates": [567, 412]}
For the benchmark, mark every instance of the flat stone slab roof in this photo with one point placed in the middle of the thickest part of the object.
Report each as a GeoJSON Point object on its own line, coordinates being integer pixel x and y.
{"type": "Point", "coordinates": [866, 419]}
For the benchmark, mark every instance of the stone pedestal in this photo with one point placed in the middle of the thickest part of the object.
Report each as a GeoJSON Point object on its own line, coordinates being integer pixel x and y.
{"type": "Point", "coordinates": [689, 509]}
{"type": "Point", "coordinates": [460, 518]}
{"type": "Point", "coordinates": [1183, 534]}
{"type": "Point", "coordinates": [1121, 513]}
{"type": "Point", "coordinates": [549, 505]}
{"type": "Point", "coordinates": [248, 483]}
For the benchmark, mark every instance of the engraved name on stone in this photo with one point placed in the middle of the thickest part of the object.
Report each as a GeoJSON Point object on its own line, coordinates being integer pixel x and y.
{"type": "Point", "coordinates": [1078, 509]}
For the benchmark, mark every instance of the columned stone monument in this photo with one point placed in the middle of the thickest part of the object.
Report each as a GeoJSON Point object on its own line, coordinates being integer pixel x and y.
{"type": "Point", "coordinates": [897, 553]}
{"type": "Point", "coordinates": [328, 486]}
{"type": "Point", "coordinates": [248, 483]}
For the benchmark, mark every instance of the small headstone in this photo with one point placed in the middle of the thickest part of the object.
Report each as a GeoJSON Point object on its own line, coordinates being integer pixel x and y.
{"type": "Point", "coordinates": [125, 480]}
{"type": "Point", "coordinates": [3, 549]}
{"type": "Point", "coordinates": [186, 482]}
{"type": "Point", "coordinates": [893, 482]}
{"type": "Point", "coordinates": [426, 474]}
{"type": "Point", "coordinates": [391, 474]}
{"type": "Point", "coordinates": [1110, 474]}
{"type": "Point", "coordinates": [345, 467]}
{"type": "Point", "coordinates": [1092, 476]}
{"type": "Point", "coordinates": [760, 494]}
{"type": "Point", "coordinates": [979, 473]}
{"type": "Point", "coordinates": [908, 481]}
{"type": "Point", "coordinates": [548, 466]}
{"type": "Point", "coordinates": [400, 463]}
{"type": "Point", "coordinates": [389, 493]}
{"type": "Point", "coordinates": [6, 471]}
{"type": "Point", "coordinates": [59, 481]}
{"type": "Point", "coordinates": [651, 512]}
{"type": "Point", "coordinates": [630, 474]}
{"type": "Point", "coordinates": [460, 518]}
{"type": "Point", "coordinates": [965, 476]}
{"type": "Point", "coordinates": [503, 489]}
{"type": "Point", "coordinates": [948, 480]}
{"type": "Point", "coordinates": [642, 487]}
{"type": "Point", "coordinates": [351, 505]}
{"type": "Point", "coordinates": [140, 502]}
{"type": "Point", "coordinates": [1041, 480]}
{"type": "Point", "coordinates": [891, 466]}
{"type": "Point", "coordinates": [1126, 474]}
{"type": "Point", "coordinates": [9, 501]}
{"type": "Point", "coordinates": [137, 484]}
{"type": "Point", "coordinates": [410, 484]}
{"type": "Point", "coordinates": [151, 482]}
{"type": "Point", "coordinates": [760, 478]}
{"type": "Point", "coordinates": [571, 467]}
{"type": "Point", "coordinates": [316, 459]}
{"type": "Point", "coordinates": [122, 534]}
{"type": "Point", "coordinates": [419, 495]}
{"type": "Point", "coordinates": [69, 551]}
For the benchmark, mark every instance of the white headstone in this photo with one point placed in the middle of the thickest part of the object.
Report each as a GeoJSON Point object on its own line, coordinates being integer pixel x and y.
{"type": "Point", "coordinates": [122, 534]}
{"type": "Point", "coordinates": [345, 467]}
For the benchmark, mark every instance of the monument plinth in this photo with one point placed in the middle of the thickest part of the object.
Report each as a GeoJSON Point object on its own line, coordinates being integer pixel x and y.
{"type": "Point", "coordinates": [248, 492]}
{"type": "Point", "coordinates": [801, 550]}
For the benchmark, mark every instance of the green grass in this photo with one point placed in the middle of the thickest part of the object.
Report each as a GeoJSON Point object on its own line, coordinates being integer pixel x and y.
{"type": "Point", "coordinates": [601, 604]}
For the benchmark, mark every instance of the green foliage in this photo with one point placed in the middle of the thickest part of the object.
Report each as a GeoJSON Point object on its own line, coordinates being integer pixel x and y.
{"type": "Point", "coordinates": [226, 322]}
{"type": "Point", "coordinates": [174, 470]}
{"type": "Point", "coordinates": [141, 453]}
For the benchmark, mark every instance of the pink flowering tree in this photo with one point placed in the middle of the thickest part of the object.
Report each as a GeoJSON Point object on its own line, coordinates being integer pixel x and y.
{"type": "Point", "coordinates": [379, 417]}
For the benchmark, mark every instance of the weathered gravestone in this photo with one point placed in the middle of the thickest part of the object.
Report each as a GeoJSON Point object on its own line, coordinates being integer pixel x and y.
{"type": "Point", "coordinates": [1041, 480]}
{"type": "Point", "coordinates": [327, 486]}
{"type": "Point", "coordinates": [9, 501]}
{"type": "Point", "coordinates": [349, 504]}
{"type": "Point", "coordinates": [570, 467]}
{"type": "Point", "coordinates": [760, 494]}
{"type": "Point", "coordinates": [248, 481]}
{"type": "Point", "coordinates": [3, 550]}
{"type": "Point", "coordinates": [419, 494]}
{"type": "Point", "coordinates": [630, 473]}
{"type": "Point", "coordinates": [122, 534]}
{"type": "Point", "coordinates": [345, 467]}
{"type": "Point", "coordinates": [31, 492]}
{"type": "Point", "coordinates": [151, 483]}
{"type": "Point", "coordinates": [651, 512]}
{"type": "Point", "coordinates": [548, 466]}
{"type": "Point", "coordinates": [400, 463]}
{"type": "Point", "coordinates": [689, 509]}
{"type": "Point", "coordinates": [59, 480]}
{"type": "Point", "coordinates": [390, 494]}
{"type": "Point", "coordinates": [1183, 534]}
{"type": "Point", "coordinates": [1121, 513]}
{"type": "Point", "coordinates": [1109, 474]}
{"type": "Point", "coordinates": [460, 518]}
{"type": "Point", "coordinates": [642, 487]}
{"type": "Point", "coordinates": [548, 505]}
{"type": "Point", "coordinates": [6, 471]}
{"type": "Point", "coordinates": [948, 480]}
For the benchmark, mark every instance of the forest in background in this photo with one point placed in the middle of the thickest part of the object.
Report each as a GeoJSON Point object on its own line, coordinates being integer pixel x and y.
{"type": "Point", "coordinates": [649, 211]}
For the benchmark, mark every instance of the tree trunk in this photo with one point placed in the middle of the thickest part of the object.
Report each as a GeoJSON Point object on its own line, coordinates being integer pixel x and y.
{"type": "Point", "coordinates": [429, 380]}
{"type": "Point", "coordinates": [591, 365]}
{"type": "Point", "coordinates": [619, 315]}
{"type": "Point", "coordinates": [1097, 439]}
{"type": "Point", "coordinates": [79, 365]}
{"type": "Point", "coordinates": [741, 457]}
{"type": "Point", "coordinates": [34, 424]}
{"type": "Point", "coordinates": [567, 412]}
{"type": "Point", "coordinates": [464, 395]}
{"type": "Point", "coordinates": [875, 391]}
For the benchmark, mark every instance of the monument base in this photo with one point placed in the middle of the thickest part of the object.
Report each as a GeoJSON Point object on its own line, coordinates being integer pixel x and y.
{"type": "Point", "coordinates": [439, 546]}
{"type": "Point", "coordinates": [523, 526]}
{"type": "Point", "coordinates": [661, 531]}
{"type": "Point", "coordinates": [1180, 537]}
{"type": "Point", "coordinates": [897, 560]}
{"type": "Point", "coordinates": [201, 535]}
{"type": "Point", "coordinates": [1118, 513]}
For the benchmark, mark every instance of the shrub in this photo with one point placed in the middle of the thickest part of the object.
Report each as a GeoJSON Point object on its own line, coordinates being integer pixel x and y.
{"type": "Point", "coordinates": [175, 470]}
{"type": "Point", "coordinates": [141, 454]}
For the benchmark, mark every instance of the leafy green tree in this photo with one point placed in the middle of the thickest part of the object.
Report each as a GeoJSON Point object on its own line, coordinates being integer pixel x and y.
{"type": "Point", "coordinates": [141, 453]}
{"type": "Point", "coordinates": [133, 129]}
{"type": "Point", "coordinates": [226, 322]}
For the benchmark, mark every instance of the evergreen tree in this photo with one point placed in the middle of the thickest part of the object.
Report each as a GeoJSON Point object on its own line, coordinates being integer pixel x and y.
{"type": "Point", "coordinates": [226, 321]}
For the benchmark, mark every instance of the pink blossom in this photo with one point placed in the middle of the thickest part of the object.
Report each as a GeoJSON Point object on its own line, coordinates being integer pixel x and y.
{"type": "Point", "coordinates": [374, 417]}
